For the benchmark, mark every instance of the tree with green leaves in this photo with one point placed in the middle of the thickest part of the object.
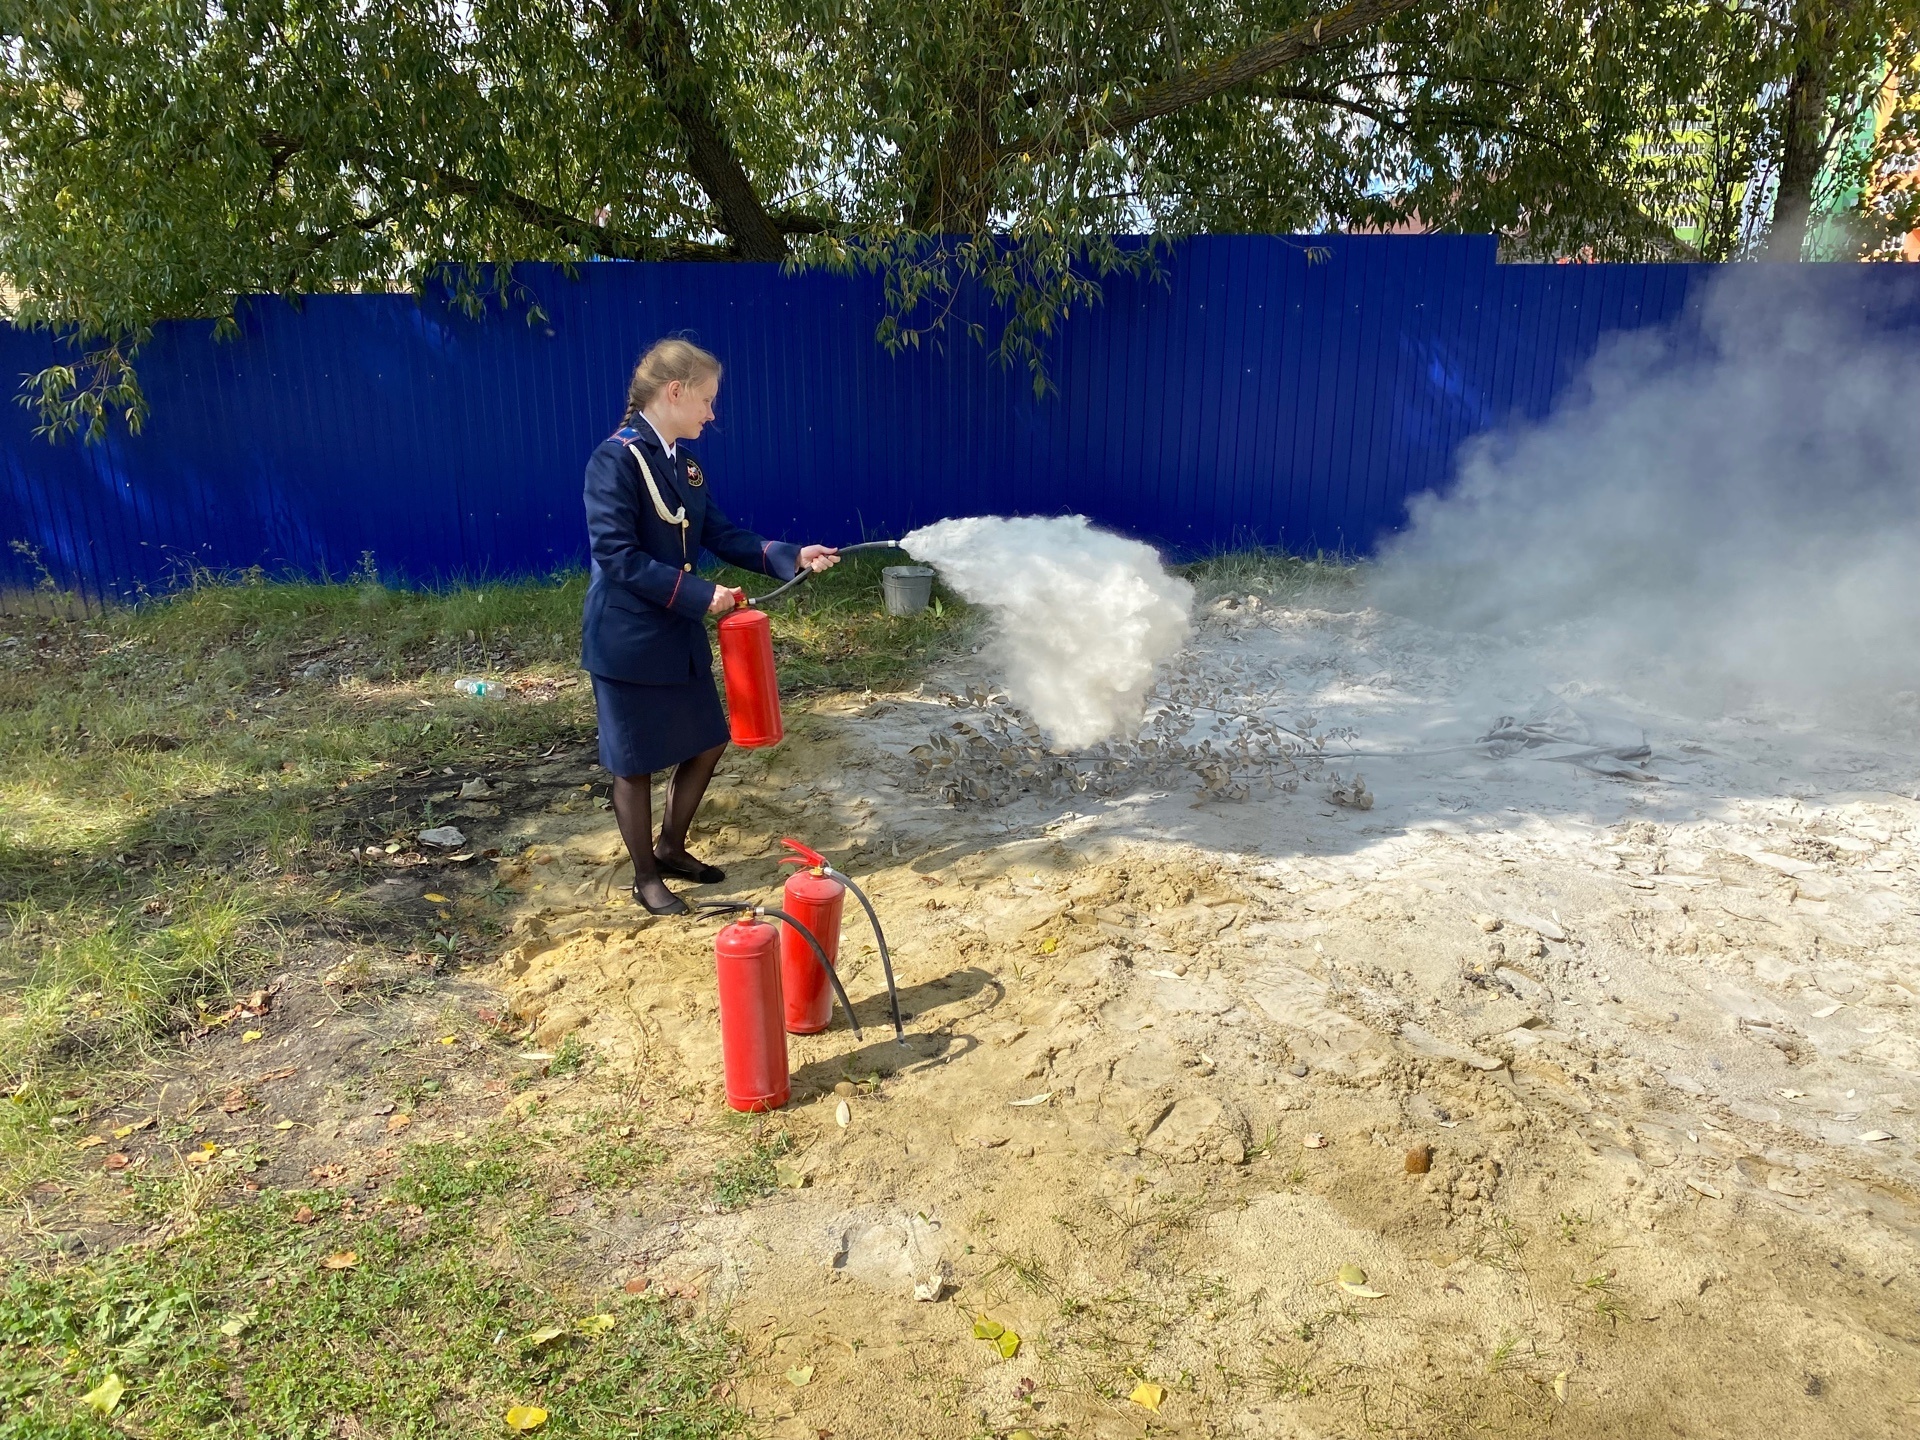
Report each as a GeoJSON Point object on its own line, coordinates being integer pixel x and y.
{"type": "Point", "coordinates": [163, 158]}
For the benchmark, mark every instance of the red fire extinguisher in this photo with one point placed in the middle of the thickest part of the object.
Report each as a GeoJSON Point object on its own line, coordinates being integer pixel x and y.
{"type": "Point", "coordinates": [817, 894]}
{"type": "Point", "coordinates": [816, 901]}
{"type": "Point", "coordinates": [746, 661]}
{"type": "Point", "coordinates": [753, 690]}
{"type": "Point", "coordinates": [753, 1040]}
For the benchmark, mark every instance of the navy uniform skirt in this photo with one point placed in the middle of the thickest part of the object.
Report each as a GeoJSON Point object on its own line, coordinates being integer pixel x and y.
{"type": "Point", "coordinates": [644, 728]}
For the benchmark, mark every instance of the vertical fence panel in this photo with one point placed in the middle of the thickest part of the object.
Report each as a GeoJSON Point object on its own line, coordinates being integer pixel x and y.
{"type": "Point", "coordinates": [1290, 391]}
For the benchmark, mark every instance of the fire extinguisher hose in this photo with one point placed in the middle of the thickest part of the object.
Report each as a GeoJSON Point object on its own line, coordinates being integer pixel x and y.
{"type": "Point", "coordinates": [880, 936]}
{"type": "Point", "coordinates": [806, 574]}
{"type": "Point", "coordinates": [724, 907]}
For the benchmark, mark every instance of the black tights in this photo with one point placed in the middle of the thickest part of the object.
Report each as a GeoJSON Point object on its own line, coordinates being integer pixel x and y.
{"type": "Point", "coordinates": [633, 808]}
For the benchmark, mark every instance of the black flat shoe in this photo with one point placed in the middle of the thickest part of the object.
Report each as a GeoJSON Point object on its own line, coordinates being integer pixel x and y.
{"type": "Point", "coordinates": [699, 874]}
{"type": "Point", "coordinates": [675, 905]}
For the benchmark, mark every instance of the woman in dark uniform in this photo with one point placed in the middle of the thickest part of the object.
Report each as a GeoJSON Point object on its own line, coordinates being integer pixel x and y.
{"type": "Point", "coordinates": [649, 515]}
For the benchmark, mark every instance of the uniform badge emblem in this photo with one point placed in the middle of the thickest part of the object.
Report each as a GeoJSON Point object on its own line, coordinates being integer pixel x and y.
{"type": "Point", "coordinates": [694, 477]}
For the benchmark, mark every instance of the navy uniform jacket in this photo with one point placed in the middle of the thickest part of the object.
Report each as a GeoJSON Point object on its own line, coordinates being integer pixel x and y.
{"type": "Point", "coordinates": [646, 609]}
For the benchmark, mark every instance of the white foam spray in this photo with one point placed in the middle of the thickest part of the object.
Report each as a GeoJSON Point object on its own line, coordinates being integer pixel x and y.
{"type": "Point", "coordinates": [1080, 617]}
{"type": "Point", "coordinates": [1722, 518]}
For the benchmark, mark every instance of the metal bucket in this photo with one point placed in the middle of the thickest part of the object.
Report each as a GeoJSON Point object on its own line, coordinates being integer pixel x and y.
{"type": "Point", "coordinates": [906, 588]}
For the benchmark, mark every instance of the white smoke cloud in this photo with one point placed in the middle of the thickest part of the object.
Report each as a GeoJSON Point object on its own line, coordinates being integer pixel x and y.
{"type": "Point", "coordinates": [1723, 516]}
{"type": "Point", "coordinates": [1080, 617]}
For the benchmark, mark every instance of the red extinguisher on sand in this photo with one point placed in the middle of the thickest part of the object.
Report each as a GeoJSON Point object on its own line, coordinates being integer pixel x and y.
{"type": "Point", "coordinates": [816, 895]}
{"type": "Point", "coordinates": [761, 970]}
{"type": "Point", "coordinates": [753, 1037]}
{"type": "Point", "coordinates": [746, 662]}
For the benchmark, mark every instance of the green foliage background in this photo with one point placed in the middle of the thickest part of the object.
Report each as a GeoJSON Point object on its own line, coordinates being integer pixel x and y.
{"type": "Point", "coordinates": [161, 158]}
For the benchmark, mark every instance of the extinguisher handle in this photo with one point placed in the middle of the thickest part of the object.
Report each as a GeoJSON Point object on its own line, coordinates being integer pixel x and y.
{"type": "Point", "coordinates": [802, 854]}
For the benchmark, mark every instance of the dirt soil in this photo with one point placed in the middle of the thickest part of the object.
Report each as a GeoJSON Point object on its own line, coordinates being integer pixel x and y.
{"type": "Point", "coordinates": [1602, 1083]}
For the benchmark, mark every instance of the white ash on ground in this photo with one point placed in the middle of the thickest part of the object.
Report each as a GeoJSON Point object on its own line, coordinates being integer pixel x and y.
{"type": "Point", "coordinates": [1654, 1038]}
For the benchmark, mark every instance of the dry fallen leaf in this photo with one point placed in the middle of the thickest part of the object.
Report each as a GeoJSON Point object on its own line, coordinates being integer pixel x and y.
{"type": "Point", "coordinates": [526, 1417]}
{"type": "Point", "coordinates": [116, 1162]}
{"type": "Point", "coordinates": [637, 1285]}
{"type": "Point", "coordinates": [1868, 1137]}
{"type": "Point", "coordinates": [1712, 1192]}
{"type": "Point", "coordinates": [1353, 1280]}
{"type": "Point", "coordinates": [789, 1176]}
{"type": "Point", "coordinates": [89, 1141]}
{"type": "Point", "coordinates": [1148, 1395]}
{"type": "Point", "coordinates": [284, 1125]}
{"type": "Point", "coordinates": [546, 1334]}
{"type": "Point", "coordinates": [236, 1326]}
{"type": "Point", "coordinates": [340, 1260]}
{"type": "Point", "coordinates": [104, 1398]}
{"type": "Point", "coordinates": [396, 1123]}
{"type": "Point", "coordinates": [1560, 1387]}
{"type": "Point", "coordinates": [303, 1216]}
{"type": "Point", "coordinates": [800, 1375]}
{"type": "Point", "coordinates": [1314, 1140]}
{"type": "Point", "coordinates": [1040, 1099]}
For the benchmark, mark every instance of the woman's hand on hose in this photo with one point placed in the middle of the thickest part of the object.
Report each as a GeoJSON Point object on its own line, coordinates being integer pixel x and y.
{"type": "Point", "coordinates": [818, 557]}
{"type": "Point", "coordinates": [724, 600]}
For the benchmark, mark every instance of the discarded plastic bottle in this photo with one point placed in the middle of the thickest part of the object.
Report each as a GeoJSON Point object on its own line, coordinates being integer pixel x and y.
{"type": "Point", "coordinates": [480, 689]}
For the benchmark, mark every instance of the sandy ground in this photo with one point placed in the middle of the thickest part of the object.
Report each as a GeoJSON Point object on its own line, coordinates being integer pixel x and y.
{"type": "Point", "coordinates": [1176, 1057]}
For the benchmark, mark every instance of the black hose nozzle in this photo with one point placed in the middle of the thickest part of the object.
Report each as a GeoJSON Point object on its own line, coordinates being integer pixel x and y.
{"type": "Point", "coordinates": [806, 574]}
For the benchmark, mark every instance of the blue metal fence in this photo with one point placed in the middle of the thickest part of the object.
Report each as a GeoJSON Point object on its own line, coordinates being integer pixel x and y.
{"type": "Point", "coordinates": [1258, 390]}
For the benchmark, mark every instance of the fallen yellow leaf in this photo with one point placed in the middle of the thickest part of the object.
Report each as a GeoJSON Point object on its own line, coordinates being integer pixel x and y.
{"type": "Point", "coordinates": [1148, 1394]}
{"type": "Point", "coordinates": [526, 1417]}
{"type": "Point", "coordinates": [985, 1329]}
{"type": "Point", "coordinates": [1049, 945]}
{"type": "Point", "coordinates": [251, 1036]}
{"type": "Point", "coordinates": [449, 1039]}
{"type": "Point", "coordinates": [1008, 1345]}
{"type": "Point", "coordinates": [800, 1375]}
{"type": "Point", "coordinates": [90, 1141]}
{"type": "Point", "coordinates": [284, 1125]}
{"type": "Point", "coordinates": [596, 1324]}
{"type": "Point", "coordinates": [340, 1260]}
{"type": "Point", "coordinates": [436, 897]}
{"type": "Point", "coordinates": [104, 1398]}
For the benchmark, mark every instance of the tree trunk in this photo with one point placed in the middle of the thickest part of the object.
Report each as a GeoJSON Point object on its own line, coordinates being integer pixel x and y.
{"type": "Point", "coordinates": [1804, 140]}
{"type": "Point", "coordinates": [656, 34]}
{"type": "Point", "coordinates": [953, 189]}
{"type": "Point", "coordinates": [954, 194]}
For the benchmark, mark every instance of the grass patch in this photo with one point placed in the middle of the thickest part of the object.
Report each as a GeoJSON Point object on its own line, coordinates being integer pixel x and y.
{"type": "Point", "coordinates": [187, 788]}
{"type": "Point", "coordinates": [1272, 574]}
{"type": "Point", "coordinates": [239, 1328]}
{"type": "Point", "coordinates": [751, 1175]}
